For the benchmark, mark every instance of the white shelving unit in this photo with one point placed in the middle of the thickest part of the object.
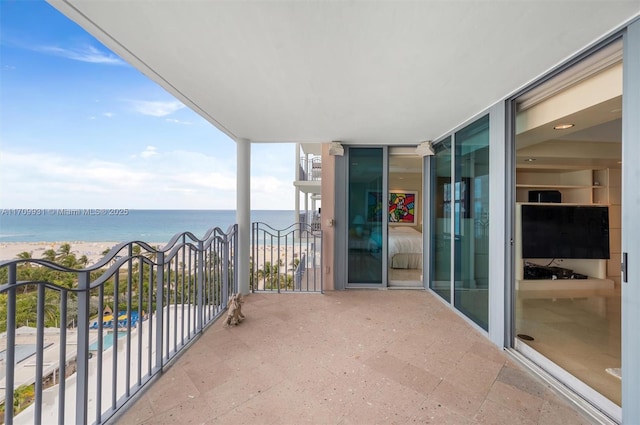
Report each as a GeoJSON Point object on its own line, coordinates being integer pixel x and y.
{"type": "Point", "coordinates": [578, 187]}
{"type": "Point", "coordinates": [587, 186]}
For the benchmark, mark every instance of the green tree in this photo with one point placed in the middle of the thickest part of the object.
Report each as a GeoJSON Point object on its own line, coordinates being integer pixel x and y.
{"type": "Point", "coordinates": [24, 255]}
{"type": "Point", "coordinates": [64, 250]}
{"type": "Point", "coordinates": [50, 255]}
{"type": "Point", "coordinates": [83, 261]}
{"type": "Point", "coordinates": [273, 276]}
{"type": "Point", "coordinates": [22, 397]}
{"type": "Point", "coordinates": [66, 257]}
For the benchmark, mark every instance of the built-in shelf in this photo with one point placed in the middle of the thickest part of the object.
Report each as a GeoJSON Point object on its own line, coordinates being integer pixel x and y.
{"type": "Point", "coordinates": [599, 186]}
{"type": "Point", "coordinates": [586, 186]}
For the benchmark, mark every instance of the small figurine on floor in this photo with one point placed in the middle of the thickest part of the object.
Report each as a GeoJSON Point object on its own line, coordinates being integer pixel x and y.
{"type": "Point", "coordinates": [234, 312]}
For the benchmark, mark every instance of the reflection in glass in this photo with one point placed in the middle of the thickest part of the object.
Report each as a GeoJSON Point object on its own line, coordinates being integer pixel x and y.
{"type": "Point", "coordinates": [470, 203]}
{"type": "Point", "coordinates": [366, 211]}
{"type": "Point", "coordinates": [404, 236]}
{"type": "Point", "coordinates": [440, 281]}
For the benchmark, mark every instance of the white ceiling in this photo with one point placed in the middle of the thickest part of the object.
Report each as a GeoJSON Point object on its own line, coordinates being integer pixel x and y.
{"type": "Point", "coordinates": [357, 72]}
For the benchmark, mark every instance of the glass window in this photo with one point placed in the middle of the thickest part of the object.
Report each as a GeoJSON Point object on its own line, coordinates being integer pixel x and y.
{"type": "Point", "coordinates": [471, 221]}
{"type": "Point", "coordinates": [441, 215]}
{"type": "Point", "coordinates": [367, 207]}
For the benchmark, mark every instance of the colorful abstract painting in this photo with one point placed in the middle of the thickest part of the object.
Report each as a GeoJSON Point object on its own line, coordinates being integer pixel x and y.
{"type": "Point", "coordinates": [402, 207]}
{"type": "Point", "coordinates": [374, 207]}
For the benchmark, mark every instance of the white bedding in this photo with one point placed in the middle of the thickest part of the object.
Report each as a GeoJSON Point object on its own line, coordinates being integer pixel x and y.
{"type": "Point", "coordinates": [404, 240]}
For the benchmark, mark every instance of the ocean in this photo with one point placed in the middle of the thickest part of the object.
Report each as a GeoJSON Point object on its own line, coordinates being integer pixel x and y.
{"type": "Point", "coordinates": [120, 225]}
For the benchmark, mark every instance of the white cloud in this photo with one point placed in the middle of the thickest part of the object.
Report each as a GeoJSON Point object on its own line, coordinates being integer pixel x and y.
{"type": "Point", "coordinates": [108, 114]}
{"type": "Point", "coordinates": [172, 120]}
{"type": "Point", "coordinates": [163, 180]}
{"type": "Point", "coordinates": [149, 152]}
{"type": "Point", "coordinates": [83, 54]}
{"type": "Point", "coordinates": [157, 108]}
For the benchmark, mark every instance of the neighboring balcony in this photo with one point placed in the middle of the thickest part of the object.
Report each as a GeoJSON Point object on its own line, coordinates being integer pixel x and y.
{"type": "Point", "coordinates": [310, 169]}
{"type": "Point", "coordinates": [310, 175]}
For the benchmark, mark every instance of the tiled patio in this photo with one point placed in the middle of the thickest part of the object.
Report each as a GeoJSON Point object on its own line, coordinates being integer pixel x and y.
{"type": "Point", "coordinates": [348, 357]}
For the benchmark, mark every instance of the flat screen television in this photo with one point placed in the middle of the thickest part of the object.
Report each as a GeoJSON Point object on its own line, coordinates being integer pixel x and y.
{"type": "Point", "coordinates": [565, 231]}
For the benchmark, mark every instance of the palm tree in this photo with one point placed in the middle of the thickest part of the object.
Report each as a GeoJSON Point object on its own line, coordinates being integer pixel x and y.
{"type": "Point", "coordinates": [49, 255]}
{"type": "Point", "coordinates": [153, 255]}
{"type": "Point", "coordinates": [64, 250]}
{"type": "Point", "coordinates": [83, 261]}
{"type": "Point", "coordinates": [24, 255]}
{"type": "Point", "coordinates": [273, 277]}
{"type": "Point", "coordinates": [65, 256]}
{"type": "Point", "coordinates": [294, 264]}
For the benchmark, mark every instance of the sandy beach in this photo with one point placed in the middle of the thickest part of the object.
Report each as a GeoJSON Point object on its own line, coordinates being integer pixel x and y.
{"type": "Point", "coordinates": [94, 250]}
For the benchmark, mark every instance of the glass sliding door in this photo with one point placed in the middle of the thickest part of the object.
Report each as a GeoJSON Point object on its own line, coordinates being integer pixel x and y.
{"type": "Point", "coordinates": [568, 227]}
{"type": "Point", "coordinates": [470, 193]}
{"type": "Point", "coordinates": [405, 237]}
{"type": "Point", "coordinates": [441, 216]}
{"type": "Point", "coordinates": [367, 209]}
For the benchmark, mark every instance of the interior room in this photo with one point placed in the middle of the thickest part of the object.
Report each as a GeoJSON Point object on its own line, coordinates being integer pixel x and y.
{"type": "Point", "coordinates": [568, 224]}
{"type": "Point", "coordinates": [405, 240]}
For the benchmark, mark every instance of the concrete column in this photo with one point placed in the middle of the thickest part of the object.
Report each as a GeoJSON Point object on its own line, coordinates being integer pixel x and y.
{"type": "Point", "coordinates": [297, 200]}
{"type": "Point", "coordinates": [243, 211]}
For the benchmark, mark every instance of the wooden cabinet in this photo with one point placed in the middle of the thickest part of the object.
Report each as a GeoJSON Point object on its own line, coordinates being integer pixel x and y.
{"type": "Point", "coordinates": [584, 186]}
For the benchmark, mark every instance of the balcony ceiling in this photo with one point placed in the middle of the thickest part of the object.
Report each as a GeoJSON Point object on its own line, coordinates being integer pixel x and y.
{"type": "Point", "coordinates": [357, 72]}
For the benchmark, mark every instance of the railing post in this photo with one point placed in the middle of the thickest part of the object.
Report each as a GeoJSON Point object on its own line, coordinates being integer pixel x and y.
{"type": "Point", "coordinates": [278, 264]}
{"type": "Point", "coordinates": [225, 271]}
{"type": "Point", "coordinates": [321, 263]}
{"type": "Point", "coordinates": [37, 414]}
{"type": "Point", "coordinates": [10, 355]}
{"type": "Point", "coordinates": [82, 359]}
{"type": "Point", "coordinates": [159, 309]}
{"type": "Point", "coordinates": [235, 258]}
{"type": "Point", "coordinates": [253, 278]}
{"type": "Point", "coordinates": [200, 288]}
{"type": "Point", "coordinates": [62, 359]}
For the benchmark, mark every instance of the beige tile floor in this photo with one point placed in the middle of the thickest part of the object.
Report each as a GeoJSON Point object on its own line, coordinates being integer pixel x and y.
{"type": "Point", "coordinates": [348, 357]}
{"type": "Point", "coordinates": [581, 334]}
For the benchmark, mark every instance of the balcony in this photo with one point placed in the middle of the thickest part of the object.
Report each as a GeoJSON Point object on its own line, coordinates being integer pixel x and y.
{"type": "Point", "coordinates": [77, 345]}
{"type": "Point", "coordinates": [311, 169]}
{"type": "Point", "coordinates": [349, 357]}
{"type": "Point", "coordinates": [162, 354]}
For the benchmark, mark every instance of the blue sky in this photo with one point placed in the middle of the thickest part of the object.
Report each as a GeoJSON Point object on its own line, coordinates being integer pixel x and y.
{"type": "Point", "coordinates": [81, 128]}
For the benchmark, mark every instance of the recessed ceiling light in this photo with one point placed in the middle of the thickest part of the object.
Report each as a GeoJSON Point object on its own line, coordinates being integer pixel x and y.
{"type": "Point", "coordinates": [529, 160]}
{"type": "Point", "coordinates": [563, 126]}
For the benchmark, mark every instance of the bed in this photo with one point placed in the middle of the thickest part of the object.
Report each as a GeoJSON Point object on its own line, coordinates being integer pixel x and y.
{"type": "Point", "coordinates": [405, 248]}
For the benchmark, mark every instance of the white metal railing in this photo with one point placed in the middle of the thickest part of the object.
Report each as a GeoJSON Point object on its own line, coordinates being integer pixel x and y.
{"type": "Point", "coordinates": [103, 332]}
{"type": "Point", "coordinates": [311, 169]}
{"type": "Point", "coordinates": [287, 260]}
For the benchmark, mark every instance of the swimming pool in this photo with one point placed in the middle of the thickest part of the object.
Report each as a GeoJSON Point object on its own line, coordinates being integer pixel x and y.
{"type": "Point", "coordinates": [107, 341]}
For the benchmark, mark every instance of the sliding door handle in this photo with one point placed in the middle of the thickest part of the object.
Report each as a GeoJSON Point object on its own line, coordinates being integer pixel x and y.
{"type": "Point", "coordinates": [624, 267]}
